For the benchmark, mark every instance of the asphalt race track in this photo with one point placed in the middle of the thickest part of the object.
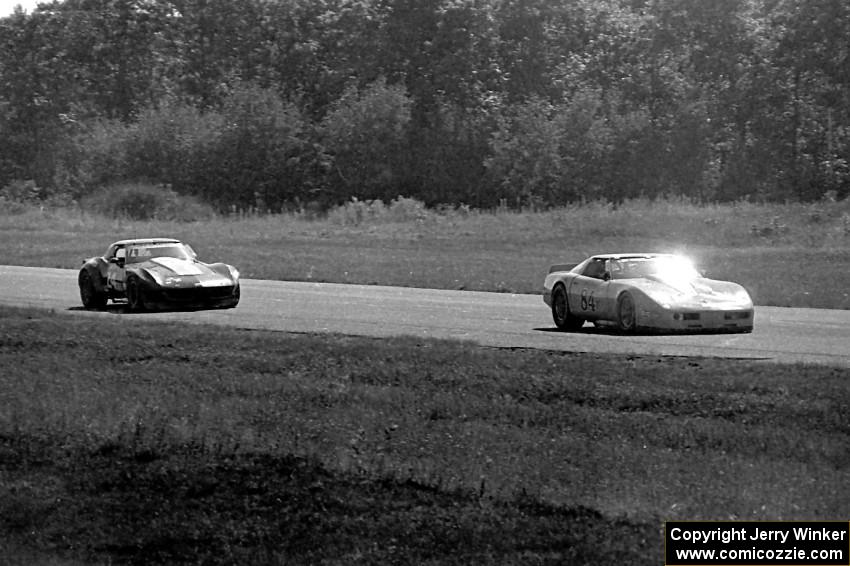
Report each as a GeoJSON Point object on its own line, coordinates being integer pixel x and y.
{"type": "Point", "coordinates": [490, 319]}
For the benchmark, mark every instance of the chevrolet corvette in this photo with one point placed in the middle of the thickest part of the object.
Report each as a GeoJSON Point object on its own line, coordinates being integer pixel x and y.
{"type": "Point", "coordinates": [646, 291]}
{"type": "Point", "coordinates": [156, 272]}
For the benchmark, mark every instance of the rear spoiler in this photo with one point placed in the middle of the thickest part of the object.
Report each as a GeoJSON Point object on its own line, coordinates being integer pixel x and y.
{"type": "Point", "coordinates": [562, 267]}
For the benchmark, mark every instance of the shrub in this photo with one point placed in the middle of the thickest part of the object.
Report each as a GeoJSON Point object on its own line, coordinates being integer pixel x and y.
{"type": "Point", "coordinates": [253, 151]}
{"type": "Point", "coordinates": [550, 154]}
{"type": "Point", "coordinates": [356, 212]}
{"type": "Point", "coordinates": [138, 201]}
{"type": "Point", "coordinates": [21, 191]}
{"type": "Point", "coordinates": [263, 156]}
{"type": "Point", "coordinates": [364, 132]}
{"type": "Point", "coordinates": [20, 196]}
{"type": "Point", "coordinates": [96, 156]}
{"type": "Point", "coordinates": [404, 209]}
{"type": "Point", "coordinates": [400, 209]}
{"type": "Point", "coordinates": [173, 143]}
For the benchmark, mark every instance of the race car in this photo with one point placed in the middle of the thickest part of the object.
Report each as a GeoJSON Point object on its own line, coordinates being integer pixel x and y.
{"type": "Point", "coordinates": [156, 272]}
{"type": "Point", "coordinates": [648, 291]}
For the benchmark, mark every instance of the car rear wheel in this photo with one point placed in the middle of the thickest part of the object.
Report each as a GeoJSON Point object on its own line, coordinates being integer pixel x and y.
{"type": "Point", "coordinates": [564, 320]}
{"type": "Point", "coordinates": [90, 296]}
{"type": "Point", "coordinates": [626, 313]}
{"type": "Point", "coordinates": [135, 295]}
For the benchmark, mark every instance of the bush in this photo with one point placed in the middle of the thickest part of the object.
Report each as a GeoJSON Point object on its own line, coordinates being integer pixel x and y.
{"type": "Point", "coordinates": [404, 209]}
{"type": "Point", "coordinates": [96, 156]}
{"type": "Point", "coordinates": [20, 191]}
{"type": "Point", "coordinates": [146, 202]}
{"type": "Point", "coordinates": [20, 196]}
{"type": "Point", "coordinates": [173, 142]}
{"type": "Point", "coordinates": [263, 156]}
{"type": "Point", "coordinates": [364, 132]}
{"type": "Point", "coordinates": [356, 212]}
{"type": "Point", "coordinates": [400, 209]}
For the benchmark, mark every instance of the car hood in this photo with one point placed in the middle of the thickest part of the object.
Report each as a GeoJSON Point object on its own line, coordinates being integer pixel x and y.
{"type": "Point", "coordinates": [694, 293]}
{"type": "Point", "coordinates": [183, 271]}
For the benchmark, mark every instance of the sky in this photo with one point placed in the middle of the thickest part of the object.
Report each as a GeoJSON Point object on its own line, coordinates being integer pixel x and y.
{"type": "Point", "coordinates": [7, 6]}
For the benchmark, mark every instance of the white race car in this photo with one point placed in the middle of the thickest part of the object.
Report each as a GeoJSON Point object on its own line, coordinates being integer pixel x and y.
{"type": "Point", "coordinates": [648, 291]}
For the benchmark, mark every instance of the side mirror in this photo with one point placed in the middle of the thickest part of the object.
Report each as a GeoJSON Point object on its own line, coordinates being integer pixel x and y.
{"type": "Point", "coordinates": [606, 276]}
{"type": "Point", "coordinates": [119, 261]}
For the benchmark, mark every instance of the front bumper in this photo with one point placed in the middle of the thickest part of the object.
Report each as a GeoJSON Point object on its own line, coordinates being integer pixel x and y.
{"type": "Point", "coordinates": [694, 320]}
{"type": "Point", "coordinates": [192, 297]}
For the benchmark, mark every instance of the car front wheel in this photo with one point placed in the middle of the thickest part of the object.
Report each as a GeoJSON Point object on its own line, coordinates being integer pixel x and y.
{"type": "Point", "coordinates": [135, 295]}
{"type": "Point", "coordinates": [564, 320]}
{"type": "Point", "coordinates": [626, 313]}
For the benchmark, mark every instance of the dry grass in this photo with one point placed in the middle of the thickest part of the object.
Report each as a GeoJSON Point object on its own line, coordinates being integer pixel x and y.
{"type": "Point", "coordinates": [786, 255]}
{"type": "Point", "coordinates": [464, 454]}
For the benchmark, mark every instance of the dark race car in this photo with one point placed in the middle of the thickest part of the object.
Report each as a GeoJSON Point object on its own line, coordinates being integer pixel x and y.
{"type": "Point", "coordinates": [157, 272]}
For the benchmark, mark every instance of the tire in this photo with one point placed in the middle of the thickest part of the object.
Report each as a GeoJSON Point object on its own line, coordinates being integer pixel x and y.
{"type": "Point", "coordinates": [626, 313]}
{"type": "Point", "coordinates": [135, 295]}
{"type": "Point", "coordinates": [89, 295]}
{"type": "Point", "coordinates": [564, 320]}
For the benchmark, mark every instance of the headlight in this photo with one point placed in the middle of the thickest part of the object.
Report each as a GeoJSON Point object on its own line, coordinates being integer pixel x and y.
{"type": "Point", "coordinates": [741, 295]}
{"type": "Point", "coordinates": [162, 280]}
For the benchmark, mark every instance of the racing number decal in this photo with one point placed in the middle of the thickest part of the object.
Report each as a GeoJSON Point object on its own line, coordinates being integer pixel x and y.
{"type": "Point", "coordinates": [587, 300]}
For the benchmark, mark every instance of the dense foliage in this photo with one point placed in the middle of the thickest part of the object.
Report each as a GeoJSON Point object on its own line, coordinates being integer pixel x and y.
{"type": "Point", "coordinates": [287, 103]}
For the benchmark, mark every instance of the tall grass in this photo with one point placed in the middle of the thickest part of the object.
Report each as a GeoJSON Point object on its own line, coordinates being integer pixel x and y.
{"type": "Point", "coordinates": [820, 225]}
{"type": "Point", "coordinates": [786, 254]}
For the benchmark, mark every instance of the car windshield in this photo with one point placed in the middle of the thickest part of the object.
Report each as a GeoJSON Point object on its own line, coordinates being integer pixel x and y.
{"type": "Point", "coordinates": [666, 268]}
{"type": "Point", "coordinates": [145, 252]}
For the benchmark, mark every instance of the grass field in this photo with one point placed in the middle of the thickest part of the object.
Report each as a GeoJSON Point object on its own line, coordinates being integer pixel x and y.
{"type": "Point", "coordinates": [786, 255]}
{"type": "Point", "coordinates": [125, 441]}
{"type": "Point", "coordinates": [130, 442]}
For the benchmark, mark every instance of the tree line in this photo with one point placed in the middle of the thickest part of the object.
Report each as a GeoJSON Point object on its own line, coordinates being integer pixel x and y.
{"type": "Point", "coordinates": [277, 103]}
